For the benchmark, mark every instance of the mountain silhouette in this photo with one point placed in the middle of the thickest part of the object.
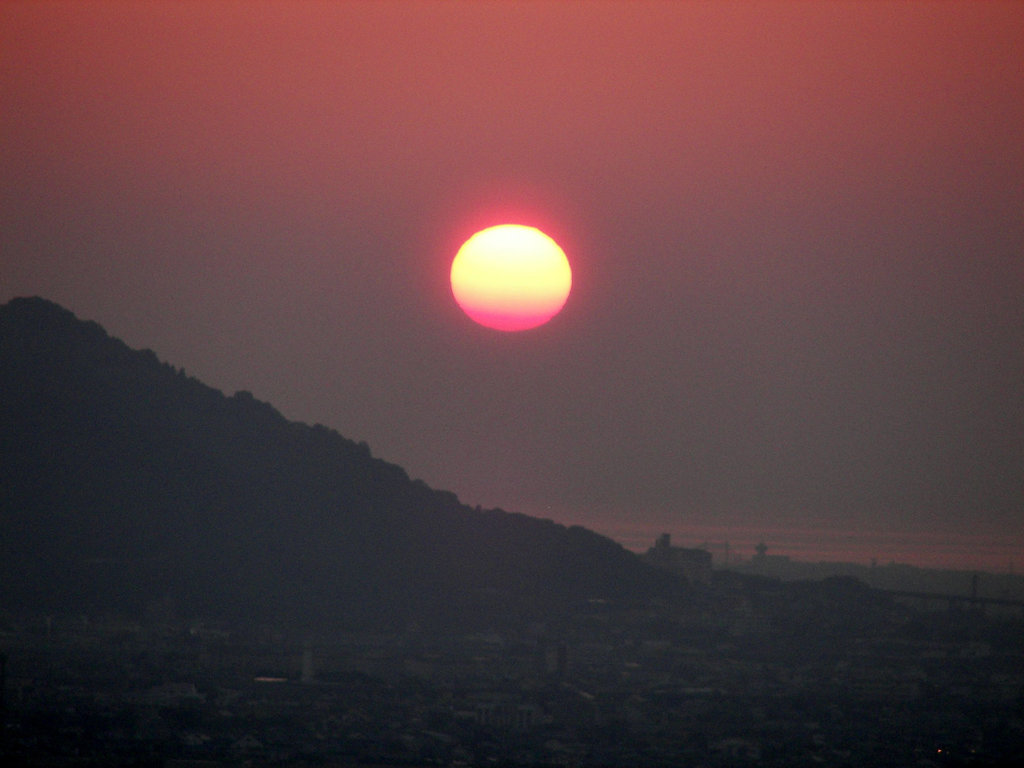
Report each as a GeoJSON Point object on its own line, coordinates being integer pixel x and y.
{"type": "Point", "coordinates": [125, 484]}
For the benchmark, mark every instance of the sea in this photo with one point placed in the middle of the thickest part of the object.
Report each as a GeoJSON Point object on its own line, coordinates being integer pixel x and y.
{"type": "Point", "coordinates": [733, 544]}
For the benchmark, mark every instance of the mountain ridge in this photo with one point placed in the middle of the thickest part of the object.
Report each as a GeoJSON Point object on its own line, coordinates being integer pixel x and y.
{"type": "Point", "coordinates": [124, 482]}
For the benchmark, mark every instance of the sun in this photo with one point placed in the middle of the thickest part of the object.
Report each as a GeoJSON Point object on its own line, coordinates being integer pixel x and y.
{"type": "Point", "coordinates": [511, 277]}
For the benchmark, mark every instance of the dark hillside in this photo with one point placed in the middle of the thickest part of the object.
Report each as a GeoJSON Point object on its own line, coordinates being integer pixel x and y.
{"type": "Point", "coordinates": [126, 484]}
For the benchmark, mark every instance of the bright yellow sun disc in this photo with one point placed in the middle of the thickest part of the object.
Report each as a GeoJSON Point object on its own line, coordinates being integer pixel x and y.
{"type": "Point", "coordinates": [511, 277]}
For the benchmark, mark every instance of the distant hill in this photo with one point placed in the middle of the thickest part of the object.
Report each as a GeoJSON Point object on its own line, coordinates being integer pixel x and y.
{"type": "Point", "coordinates": [126, 485]}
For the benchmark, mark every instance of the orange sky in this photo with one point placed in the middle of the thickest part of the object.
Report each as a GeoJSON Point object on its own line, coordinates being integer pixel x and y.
{"type": "Point", "coordinates": [795, 229]}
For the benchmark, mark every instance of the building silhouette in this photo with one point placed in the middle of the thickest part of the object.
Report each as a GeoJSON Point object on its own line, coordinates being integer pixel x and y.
{"type": "Point", "coordinates": [694, 564]}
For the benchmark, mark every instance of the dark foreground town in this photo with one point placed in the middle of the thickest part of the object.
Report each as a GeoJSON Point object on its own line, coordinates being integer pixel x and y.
{"type": "Point", "coordinates": [745, 671]}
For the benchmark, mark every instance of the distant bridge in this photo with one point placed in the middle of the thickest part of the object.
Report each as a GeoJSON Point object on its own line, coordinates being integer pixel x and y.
{"type": "Point", "coordinates": [971, 602]}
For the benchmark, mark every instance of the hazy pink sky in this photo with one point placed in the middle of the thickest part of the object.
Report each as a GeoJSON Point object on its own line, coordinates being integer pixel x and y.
{"type": "Point", "coordinates": [796, 231]}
